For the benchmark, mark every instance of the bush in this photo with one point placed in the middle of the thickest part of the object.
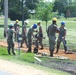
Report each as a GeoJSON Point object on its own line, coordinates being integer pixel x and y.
{"type": "Point", "coordinates": [72, 8]}
{"type": "Point", "coordinates": [13, 15]}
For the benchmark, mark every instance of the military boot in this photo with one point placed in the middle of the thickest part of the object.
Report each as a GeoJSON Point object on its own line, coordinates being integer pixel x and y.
{"type": "Point", "coordinates": [57, 49]}
{"type": "Point", "coordinates": [29, 50]}
{"type": "Point", "coordinates": [51, 53]}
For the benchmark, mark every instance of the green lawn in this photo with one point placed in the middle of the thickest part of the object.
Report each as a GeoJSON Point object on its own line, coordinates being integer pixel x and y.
{"type": "Point", "coordinates": [1, 33]}
{"type": "Point", "coordinates": [70, 26]}
{"type": "Point", "coordinates": [27, 59]}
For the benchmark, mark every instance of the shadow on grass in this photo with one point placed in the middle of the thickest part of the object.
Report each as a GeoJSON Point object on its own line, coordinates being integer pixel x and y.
{"type": "Point", "coordinates": [4, 54]}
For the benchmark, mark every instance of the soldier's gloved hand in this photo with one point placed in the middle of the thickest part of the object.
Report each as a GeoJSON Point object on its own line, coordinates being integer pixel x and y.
{"type": "Point", "coordinates": [36, 31]}
{"type": "Point", "coordinates": [63, 37]}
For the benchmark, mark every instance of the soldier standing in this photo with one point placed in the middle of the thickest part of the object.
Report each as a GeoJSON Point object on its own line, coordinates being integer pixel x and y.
{"type": "Point", "coordinates": [24, 32]}
{"type": "Point", "coordinates": [40, 34]}
{"type": "Point", "coordinates": [62, 36]}
{"type": "Point", "coordinates": [29, 36]}
{"type": "Point", "coordinates": [10, 42]}
{"type": "Point", "coordinates": [16, 28]}
{"type": "Point", "coordinates": [52, 29]}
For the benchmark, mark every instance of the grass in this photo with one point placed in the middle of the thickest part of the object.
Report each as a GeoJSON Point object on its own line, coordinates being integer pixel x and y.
{"type": "Point", "coordinates": [70, 26]}
{"type": "Point", "coordinates": [1, 33]}
{"type": "Point", "coordinates": [70, 19]}
{"type": "Point", "coordinates": [27, 59]}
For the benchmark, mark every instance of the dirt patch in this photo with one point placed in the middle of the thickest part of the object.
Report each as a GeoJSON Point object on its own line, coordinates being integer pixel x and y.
{"type": "Point", "coordinates": [45, 50]}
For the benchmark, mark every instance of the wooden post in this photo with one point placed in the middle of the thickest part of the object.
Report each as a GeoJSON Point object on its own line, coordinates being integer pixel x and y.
{"type": "Point", "coordinates": [5, 16]}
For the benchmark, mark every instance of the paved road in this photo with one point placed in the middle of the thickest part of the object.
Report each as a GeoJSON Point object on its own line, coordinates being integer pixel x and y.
{"type": "Point", "coordinates": [4, 73]}
{"type": "Point", "coordinates": [11, 68]}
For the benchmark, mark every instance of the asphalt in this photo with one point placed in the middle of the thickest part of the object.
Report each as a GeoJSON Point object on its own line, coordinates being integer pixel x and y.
{"type": "Point", "coordinates": [5, 73]}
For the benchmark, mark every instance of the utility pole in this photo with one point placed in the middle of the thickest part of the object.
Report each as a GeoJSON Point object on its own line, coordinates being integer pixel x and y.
{"type": "Point", "coordinates": [5, 16]}
{"type": "Point", "coordinates": [22, 13]}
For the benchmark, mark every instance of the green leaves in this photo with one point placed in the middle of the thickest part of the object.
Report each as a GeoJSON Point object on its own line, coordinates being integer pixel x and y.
{"type": "Point", "coordinates": [44, 11]}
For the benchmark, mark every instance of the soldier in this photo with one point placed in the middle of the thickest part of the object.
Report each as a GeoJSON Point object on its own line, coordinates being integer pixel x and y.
{"type": "Point", "coordinates": [52, 29]}
{"type": "Point", "coordinates": [10, 42]}
{"type": "Point", "coordinates": [16, 28]}
{"type": "Point", "coordinates": [61, 38]}
{"type": "Point", "coordinates": [24, 32]}
{"type": "Point", "coordinates": [29, 36]}
{"type": "Point", "coordinates": [40, 34]}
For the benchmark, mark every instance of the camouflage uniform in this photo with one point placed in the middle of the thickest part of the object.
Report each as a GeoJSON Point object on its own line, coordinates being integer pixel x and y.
{"type": "Point", "coordinates": [10, 40]}
{"type": "Point", "coordinates": [51, 34]}
{"type": "Point", "coordinates": [29, 36]}
{"type": "Point", "coordinates": [16, 28]}
{"type": "Point", "coordinates": [24, 39]}
{"type": "Point", "coordinates": [40, 36]}
{"type": "Point", "coordinates": [61, 38]}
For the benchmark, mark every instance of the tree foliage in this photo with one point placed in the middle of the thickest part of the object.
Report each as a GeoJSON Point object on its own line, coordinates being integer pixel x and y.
{"type": "Point", "coordinates": [31, 4]}
{"type": "Point", "coordinates": [1, 5]}
{"type": "Point", "coordinates": [65, 6]}
{"type": "Point", "coordinates": [44, 11]}
{"type": "Point", "coordinates": [72, 8]}
{"type": "Point", "coordinates": [60, 6]}
{"type": "Point", "coordinates": [15, 8]}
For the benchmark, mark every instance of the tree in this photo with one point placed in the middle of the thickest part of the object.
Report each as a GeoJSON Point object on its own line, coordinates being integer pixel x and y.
{"type": "Point", "coordinates": [31, 4]}
{"type": "Point", "coordinates": [15, 10]}
{"type": "Point", "coordinates": [44, 11]}
{"type": "Point", "coordinates": [60, 6]}
{"type": "Point", "coordinates": [2, 6]}
{"type": "Point", "coordinates": [72, 10]}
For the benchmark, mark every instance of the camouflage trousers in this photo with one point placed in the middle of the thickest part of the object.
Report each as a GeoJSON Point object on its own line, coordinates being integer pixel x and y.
{"type": "Point", "coordinates": [10, 46]}
{"type": "Point", "coordinates": [51, 45]}
{"type": "Point", "coordinates": [29, 44]}
{"type": "Point", "coordinates": [24, 39]}
{"type": "Point", "coordinates": [64, 43]}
